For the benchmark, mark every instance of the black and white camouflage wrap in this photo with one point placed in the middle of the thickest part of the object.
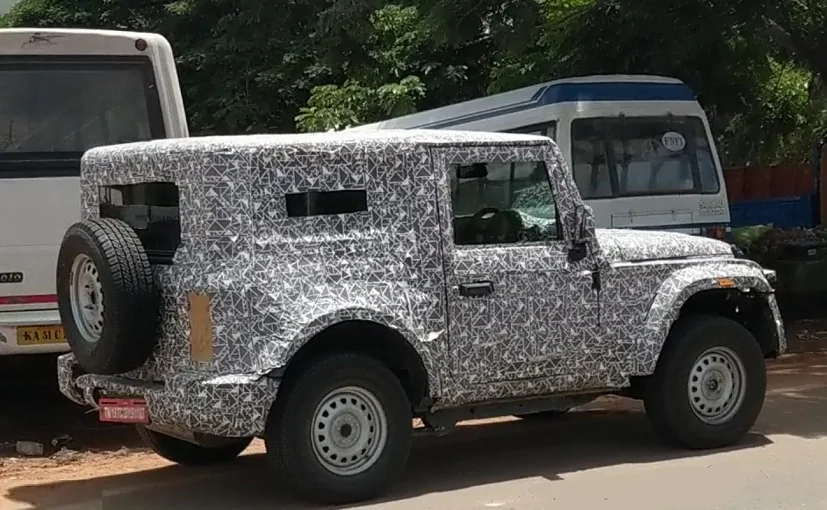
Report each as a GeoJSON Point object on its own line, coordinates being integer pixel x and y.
{"type": "Point", "coordinates": [275, 282]}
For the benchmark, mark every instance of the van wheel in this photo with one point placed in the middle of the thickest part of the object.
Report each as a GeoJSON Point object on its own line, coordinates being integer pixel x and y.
{"type": "Point", "coordinates": [340, 432]}
{"type": "Point", "coordinates": [709, 385]}
{"type": "Point", "coordinates": [107, 296]}
{"type": "Point", "coordinates": [190, 454]}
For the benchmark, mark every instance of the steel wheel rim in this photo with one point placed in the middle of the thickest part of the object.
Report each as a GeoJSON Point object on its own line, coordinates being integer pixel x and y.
{"type": "Point", "coordinates": [86, 298]}
{"type": "Point", "coordinates": [349, 431]}
{"type": "Point", "coordinates": [717, 385]}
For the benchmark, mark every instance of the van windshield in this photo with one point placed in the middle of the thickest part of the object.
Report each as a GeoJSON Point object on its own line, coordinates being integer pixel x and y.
{"type": "Point", "coordinates": [68, 106]}
{"type": "Point", "coordinates": [664, 155]}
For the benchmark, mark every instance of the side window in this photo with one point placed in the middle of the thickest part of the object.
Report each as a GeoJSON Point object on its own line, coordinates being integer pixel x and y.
{"type": "Point", "coordinates": [151, 208]}
{"type": "Point", "coordinates": [590, 163]}
{"type": "Point", "coordinates": [502, 203]}
{"type": "Point", "coordinates": [322, 203]}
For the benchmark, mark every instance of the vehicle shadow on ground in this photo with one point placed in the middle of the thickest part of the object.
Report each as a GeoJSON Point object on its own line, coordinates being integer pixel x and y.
{"type": "Point", "coordinates": [796, 401]}
{"type": "Point", "coordinates": [33, 409]}
{"type": "Point", "coordinates": [474, 455]}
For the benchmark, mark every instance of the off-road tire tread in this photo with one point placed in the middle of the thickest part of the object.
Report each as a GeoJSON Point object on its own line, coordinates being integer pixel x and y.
{"type": "Point", "coordinates": [287, 429]}
{"type": "Point", "coordinates": [665, 397]}
{"type": "Point", "coordinates": [130, 297]}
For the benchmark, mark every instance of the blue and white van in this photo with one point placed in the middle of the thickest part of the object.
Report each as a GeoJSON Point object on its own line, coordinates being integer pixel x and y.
{"type": "Point", "coordinates": [649, 130]}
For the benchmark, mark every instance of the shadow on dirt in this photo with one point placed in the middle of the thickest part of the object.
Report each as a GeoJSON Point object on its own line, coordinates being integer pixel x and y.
{"type": "Point", "coordinates": [796, 402]}
{"type": "Point", "coordinates": [600, 435]}
{"type": "Point", "coordinates": [32, 409]}
{"type": "Point", "coordinates": [472, 456]}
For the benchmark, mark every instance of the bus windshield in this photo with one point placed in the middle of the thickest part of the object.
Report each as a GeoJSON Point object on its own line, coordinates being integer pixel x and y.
{"type": "Point", "coordinates": [664, 155]}
{"type": "Point", "coordinates": [68, 106]}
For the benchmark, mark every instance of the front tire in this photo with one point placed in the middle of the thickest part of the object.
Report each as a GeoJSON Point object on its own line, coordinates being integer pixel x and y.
{"type": "Point", "coordinates": [341, 431]}
{"type": "Point", "coordinates": [190, 454]}
{"type": "Point", "coordinates": [709, 385]}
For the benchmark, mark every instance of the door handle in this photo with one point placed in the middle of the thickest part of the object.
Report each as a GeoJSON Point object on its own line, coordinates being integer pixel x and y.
{"type": "Point", "coordinates": [476, 289]}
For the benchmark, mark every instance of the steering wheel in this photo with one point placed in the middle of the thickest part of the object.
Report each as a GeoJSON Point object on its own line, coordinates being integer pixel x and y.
{"type": "Point", "coordinates": [486, 225]}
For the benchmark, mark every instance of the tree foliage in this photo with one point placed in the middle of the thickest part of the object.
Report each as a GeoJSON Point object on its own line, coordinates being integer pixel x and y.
{"type": "Point", "coordinates": [759, 67]}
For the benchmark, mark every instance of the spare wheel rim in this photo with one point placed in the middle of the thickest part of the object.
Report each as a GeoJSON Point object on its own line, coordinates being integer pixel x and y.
{"type": "Point", "coordinates": [86, 298]}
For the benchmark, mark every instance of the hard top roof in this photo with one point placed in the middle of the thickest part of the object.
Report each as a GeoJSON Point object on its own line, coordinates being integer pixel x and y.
{"type": "Point", "coordinates": [377, 140]}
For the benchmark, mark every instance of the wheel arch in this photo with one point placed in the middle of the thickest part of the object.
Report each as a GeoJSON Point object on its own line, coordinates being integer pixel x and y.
{"type": "Point", "coordinates": [743, 295]}
{"type": "Point", "coordinates": [370, 335]}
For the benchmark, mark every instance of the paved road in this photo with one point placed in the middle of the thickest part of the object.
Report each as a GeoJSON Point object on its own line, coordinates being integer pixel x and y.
{"type": "Point", "coordinates": [591, 459]}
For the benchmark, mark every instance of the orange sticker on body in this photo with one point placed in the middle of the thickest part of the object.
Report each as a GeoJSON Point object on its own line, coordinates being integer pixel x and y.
{"type": "Point", "coordinates": [201, 336]}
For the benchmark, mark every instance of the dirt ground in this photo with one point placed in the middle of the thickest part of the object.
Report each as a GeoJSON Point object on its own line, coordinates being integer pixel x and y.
{"type": "Point", "coordinates": [83, 457]}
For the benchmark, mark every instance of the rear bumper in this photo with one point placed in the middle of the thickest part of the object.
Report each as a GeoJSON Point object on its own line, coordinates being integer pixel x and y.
{"type": "Point", "coordinates": [228, 405]}
{"type": "Point", "coordinates": [10, 321]}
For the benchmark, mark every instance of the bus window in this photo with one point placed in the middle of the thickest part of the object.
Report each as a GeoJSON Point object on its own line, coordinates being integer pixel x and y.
{"type": "Point", "coordinates": [648, 156]}
{"type": "Point", "coordinates": [589, 159]}
{"type": "Point", "coordinates": [65, 106]}
{"type": "Point", "coordinates": [548, 129]}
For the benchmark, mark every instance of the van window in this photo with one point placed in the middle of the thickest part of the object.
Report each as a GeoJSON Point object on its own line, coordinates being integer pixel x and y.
{"type": "Point", "coordinates": [633, 156]}
{"type": "Point", "coordinates": [548, 129]}
{"type": "Point", "coordinates": [57, 106]}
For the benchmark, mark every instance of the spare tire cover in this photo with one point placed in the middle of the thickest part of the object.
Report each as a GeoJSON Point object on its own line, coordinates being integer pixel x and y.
{"type": "Point", "coordinates": [107, 296]}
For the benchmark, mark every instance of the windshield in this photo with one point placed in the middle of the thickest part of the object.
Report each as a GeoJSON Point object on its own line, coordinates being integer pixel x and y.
{"type": "Point", "coordinates": [647, 155]}
{"type": "Point", "coordinates": [55, 106]}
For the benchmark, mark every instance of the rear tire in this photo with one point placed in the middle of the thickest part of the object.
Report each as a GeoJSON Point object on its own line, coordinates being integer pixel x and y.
{"type": "Point", "coordinates": [107, 296]}
{"type": "Point", "coordinates": [190, 454]}
{"type": "Point", "coordinates": [341, 431]}
{"type": "Point", "coordinates": [709, 385]}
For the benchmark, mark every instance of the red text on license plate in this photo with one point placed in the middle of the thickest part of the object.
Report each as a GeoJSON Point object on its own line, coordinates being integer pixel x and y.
{"type": "Point", "coordinates": [123, 410]}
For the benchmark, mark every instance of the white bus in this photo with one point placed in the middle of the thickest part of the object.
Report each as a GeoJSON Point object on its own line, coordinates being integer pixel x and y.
{"type": "Point", "coordinates": [62, 92]}
{"type": "Point", "coordinates": [640, 147]}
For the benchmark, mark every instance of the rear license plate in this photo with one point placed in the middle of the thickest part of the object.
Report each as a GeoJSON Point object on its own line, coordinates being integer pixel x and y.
{"type": "Point", "coordinates": [123, 410]}
{"type": "Point", "coordinates": [40, 335]}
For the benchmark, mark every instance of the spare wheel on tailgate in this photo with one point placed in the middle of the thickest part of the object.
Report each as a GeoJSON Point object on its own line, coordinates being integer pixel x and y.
{"type": "Point", "coordinates": [107, 296]}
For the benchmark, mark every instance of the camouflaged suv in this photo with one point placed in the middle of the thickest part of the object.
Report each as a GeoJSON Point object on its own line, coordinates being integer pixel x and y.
{"type": "Point", "coordinates": [320, 291]}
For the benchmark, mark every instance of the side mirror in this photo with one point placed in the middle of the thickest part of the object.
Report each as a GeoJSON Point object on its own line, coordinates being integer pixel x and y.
{"type": "Point", "coordinates": [582, 233]}
{"type": "Point", "coordinates": [583, 223]}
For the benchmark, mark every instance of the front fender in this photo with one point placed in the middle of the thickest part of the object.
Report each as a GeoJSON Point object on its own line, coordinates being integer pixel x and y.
{"type": "Point", "coordinates": [415, 315]}
{"type": "Point", "coordinates": [685, 283]}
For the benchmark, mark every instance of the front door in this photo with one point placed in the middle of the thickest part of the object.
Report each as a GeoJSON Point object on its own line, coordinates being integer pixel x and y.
{"type": "Point", "coordinates": [518, 308]}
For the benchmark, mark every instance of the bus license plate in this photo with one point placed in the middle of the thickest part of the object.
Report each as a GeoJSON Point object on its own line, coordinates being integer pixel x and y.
{"type": "Point", "coordinates": [40, 335]}
{"type": "Point", "coordinates": [123, 410]}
